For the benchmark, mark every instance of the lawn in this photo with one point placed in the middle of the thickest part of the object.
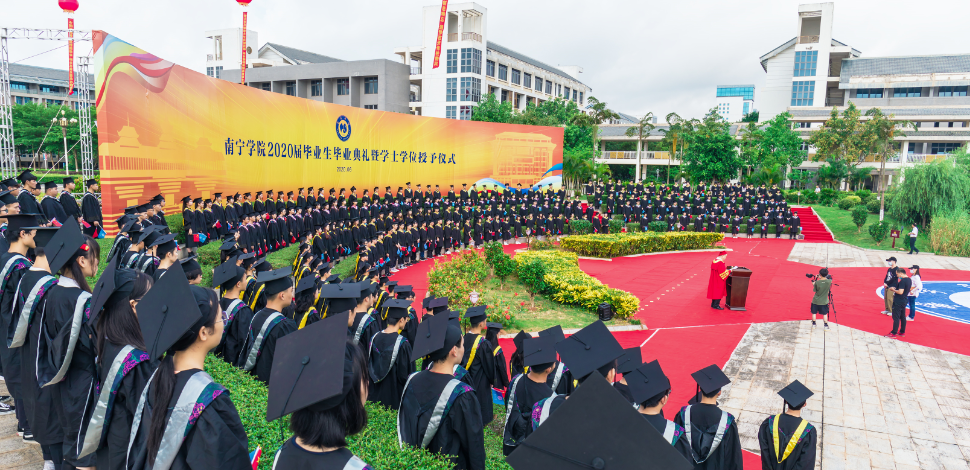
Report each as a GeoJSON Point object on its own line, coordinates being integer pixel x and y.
{"type": "Point", "coordinates": [844, 230]}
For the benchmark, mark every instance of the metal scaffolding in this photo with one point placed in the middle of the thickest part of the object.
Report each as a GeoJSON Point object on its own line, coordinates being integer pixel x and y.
{"type": "Point", "coordinates": [8, 153]}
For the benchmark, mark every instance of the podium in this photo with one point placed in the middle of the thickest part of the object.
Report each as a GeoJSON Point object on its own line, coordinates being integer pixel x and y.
{"type": "Point", "coordinates": [737, 288]}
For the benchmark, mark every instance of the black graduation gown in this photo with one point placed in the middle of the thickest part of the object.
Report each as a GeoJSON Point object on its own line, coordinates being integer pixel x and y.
{"type": "Point", "coordinates": [481, 372]}
{"type": "Point", "coordinates": [264, 359]}
{"type": "Point", "coordinates": [117, 430]}
{"type": "Point", "coordinates": [10, 359]}
{"type": "Point", "coordinates": [387, 378]}
{"type": "Point", "coordinates": [705, 419]}
{"type": "Point", "coordinates": [802, 457]}
{"type": "Point", "coordinates": [527, 393]}
{"type": "Point", "coordinates": [368, 332]}
{"type": "Point", "coordinates": [566, 382]}
{"type": "Point", "coordinates": [234, 334]}
{"type": "Point", "coordinates": [291, 455]}
{"type": "Point", "coordinates": [660, 424]}
{"type": "Point", "coordinates": [217, 440]}
{"type": "Point", "coordinates": [70, 205]}
{"type": "Point", "coordinates": [52, 209]}
{"type": "Point", "coordinates": [28, 203]}
{"type": "Point", "coordinates": [91, 209]}
{"type": "Point", "coordinates": [501, 369]}
{"type": "Point", "coordinates": [624, 390]}
{"type": "Point", "coordinates": [37, 402]}
{"type": "Point", "coordinates": [460, 434]}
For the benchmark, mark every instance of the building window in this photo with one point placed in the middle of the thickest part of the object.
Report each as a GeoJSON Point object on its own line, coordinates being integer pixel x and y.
{"type": "Point", "coordinates": [291, 88]}
{"type": "Point", "coordinates": [946, 91]}
{"type": "Point", "coordinates": [538, 84]}
{"type": "Point", "coordinates": [868, 93]}
{"type": "Point", "coordinates": [471, 89]}
{"type": "Point", "coordinates": [802, 93]}
{"type": "Point", "coordinates": [567, 92]}
{"type": "Point", "coordinates": [451, 89]}
{"type": "Point", "coordinates": [370, 106]}
{"type": "Point", "coordinates": [580, 97]}
{"type": "Point", "coordinates": [370, 86]}
{"type": "Point", "coordinates": [503, 72]}
{"type": "Point", "coordinates": [466, 113]}
{"type": "Point", "coordinates": [471, 60]}
{"type": "Point", "coordinates": [18, 86]}
{"type": "Point", "coordinates": [343, 86]}
{"type": "Point", "coordinates": [805, 62]}
{"type": "Point", "coordinates": [745, 108]}
{"type": "Point", "coordinates": [24, 100]}
{"type": "Point", "coordinates": [548, 87]}
{"type": "Point", "coordinates": [803, 125]}
{"type": "Point", "coordinates": [575, 95]}
{"type": "Point", "coordinates": [266, 86]}
{"type": "Point", "coordinates": [452, 61]}
{"type": "Point", "coordinates": [316, 88]}
{"type": "Point", "coordinates": [219, 72]}
{"type": "Point", "coordinates": [451, 112]}
{"type": "Point", "coordinates": [210, 71]}
{"type": "Point", "coordinates": [516, 77]}
{"type": "Point", "coordinates": [559, 90]}
{"type": "Point", "coordinates": [527, 80]}
{"type": "Point", "coordinates": [910, 92]}
{"type": "Point", "coordinates": [937, 148]}
{"type": "Point", "coordinates": [745, 92]}
{"type": "Point", "coordinates": [48, 89]}
{"type": "Point", "coordinates": [490, 68]}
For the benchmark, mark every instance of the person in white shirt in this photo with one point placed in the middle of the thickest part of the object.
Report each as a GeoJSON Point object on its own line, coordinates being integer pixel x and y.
{"type": "Point", "coordinates": [912, 240]}
{"type": "Point", "coordinates": [914, 293]}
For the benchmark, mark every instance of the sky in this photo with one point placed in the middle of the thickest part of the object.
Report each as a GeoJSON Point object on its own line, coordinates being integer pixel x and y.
{"type": "Point", "coordinates": [639, 56]}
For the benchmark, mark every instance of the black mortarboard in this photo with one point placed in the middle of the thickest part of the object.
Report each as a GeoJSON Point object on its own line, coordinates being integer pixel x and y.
{"type": "Point", "coordinates": [228, 245]}
{"type": "Point", "coordinates": [10, 182]}
{"type": "Point", "coordinates": [367, 289]}
{"type": "Point", "coordinates": [340, 297]}
{"type": "Point", "coordinates": [50, 185]}
{"type": "Point", "coordinates": [7, 197]}
{"type": "Point", "coordinates": [476, 315]}
{"type": "Point", "coordinates": [647, 381]}
{"type": "Point", "coordinates": [583, 431]}
{"type": "Point", "coordinates": [130, 226]}
{"type": "Point", "coordinates": [186, 199]}
{"type": "Point", "coordinates": [43, 236]}
{"type": "Point", "coordinates": [190, 264]}
{"type": "Point", "coordinates": [144, 207]}
{"type": "Point", "coordinates": [68, 180]}
{"type": "Point", "coordinates": [90, 182]}
{"type": "Point", "coordinates": [589, 349]}
{"type": "Point", "coordinates": [403, 291]}
{"type": "Point", "coordinates": [25, 176]}
{"type": "Point", "coordinates": [332, 279]}
{"type": "Point", "coordinates": [18, 222]}
{"type": "Point", "coordinates": [430, 336]}
{"type": "Point", "coordinates": [245, 256]}
{"type": "Point", "coordinates": [148, 235]}
{"type": "Point", "coordinates": [306, 283]}
{"type": "Point", "coordinates": [163, 240]}
{"type": "Point", "coordinates": [227, 272]}
{"type": "Point", "coordinates": [276, 281]}
{"type": "Point", "coordinates": [539, 350]}
{"type": "Point", "coordinates": [438, 305]}
{"type": "Point", "coordinates": [64, 244]}
{"type": "Point", "coordinates": [629, 361]}
{"type": "Point", "coordinates": [391, 284]}
{"type": "Point", "coordinates": [217, 195]}
{"type": "Point", "coordinates": [112, 284]}
{"type": "Point", "coordinates": [396, 309]}
{"type": "Point", "coordinates": [131, 210]}
{"type": "Point", "coordinates": [454, 318]}
{"type": "Point", "coordinates": [555, 332]}
{"type": "Point", "coordinates": [795, 394]}
{"type": "Point", "coordinates": [308, 366]}
{"type": "Point", "coordinates": [289, 193]}
{"type": "Point", "coordinates": [494, 326]}
{"type": "Point", "coordinates": [167, 311]}
{"type": "Point", "coordinates": [710, 378]}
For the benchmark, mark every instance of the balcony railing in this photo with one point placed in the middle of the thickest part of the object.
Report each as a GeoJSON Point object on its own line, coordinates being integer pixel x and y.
{"type": "Point", "coordinates": [807, 39]}
{"type": "Point", "coordinates": [633, 155]}
{"type": "Point", "coordinates": [415, 99]}
{"type": "Point", "coordinates": [453, 37]}
{"type": "Point", "coordinates": [415, 70]}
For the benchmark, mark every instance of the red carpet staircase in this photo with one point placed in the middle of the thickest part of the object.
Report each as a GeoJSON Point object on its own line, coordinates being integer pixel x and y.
{"type": "Point", "coordinates": [812, 227]}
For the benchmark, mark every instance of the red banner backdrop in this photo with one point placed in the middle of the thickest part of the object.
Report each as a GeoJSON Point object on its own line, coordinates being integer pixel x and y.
{"type": "Point", "coordinates": [441, 32]}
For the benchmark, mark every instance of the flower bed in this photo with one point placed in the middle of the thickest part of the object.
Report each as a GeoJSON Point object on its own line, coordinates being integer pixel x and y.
{"type": "Point", "coordinates": [566, 283]}
{"type": "Point", "coordinates": [623, 244]}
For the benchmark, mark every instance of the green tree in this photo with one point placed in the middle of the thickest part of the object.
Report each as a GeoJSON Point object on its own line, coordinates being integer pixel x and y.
{"type": "Point", "coordinates": [642, 129]}
{"type": "Point", "coordinates": [34, 134]}
{"type": "Point", "coordinates": [843, 137]}
{"type": "Point", "coordinates": [832, 172]}
{"type": "Point", "coordinates": [857, 176]}
{"type": "Point", "coordinates": [532, 273]}
{"type": "Point", "coordinates": [781, 144]}
{"type": "Point", "coordinates": [490, 110]}
{"type": "Point", "coordinates": [859, 216]}
{"type": "Point", "coordinates": [881, 133]}
{"type": "Point", "coordinates": [710, 152]}
{"type": "Point", "coordinates": [929, 189]}
{"type": "Point", "coordinates": [672, 134]}
{"type": "Point", "coordinates": [753, 116]}
{"type": "Point", "coordinates": [749, 147]}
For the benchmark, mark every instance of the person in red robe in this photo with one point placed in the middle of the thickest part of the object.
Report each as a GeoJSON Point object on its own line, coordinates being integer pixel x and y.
{"type": "Point", "coordinates": [717, 285]}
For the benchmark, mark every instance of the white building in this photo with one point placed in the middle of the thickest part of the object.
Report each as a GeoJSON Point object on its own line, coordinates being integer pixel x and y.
{"type": "Point", "coordinates": [735, 101]}
{"type": "Point", "coordinates": [471, 66]}
{"type": "Point", "coordinates": [225, 50]}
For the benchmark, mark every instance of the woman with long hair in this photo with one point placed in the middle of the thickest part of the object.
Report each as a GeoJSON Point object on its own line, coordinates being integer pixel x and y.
{"type": "Point", "coordinates": [914, 292]}
{"type": "Point", "coordinates": [124, 366]}
{"type": "Point", "coordinates": [188, 221]}
{"type": "Point", "coordinates": [184, 419]}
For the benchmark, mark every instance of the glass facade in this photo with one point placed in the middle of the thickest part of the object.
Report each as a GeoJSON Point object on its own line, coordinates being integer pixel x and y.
{"type": "Point", "coordinates": [746, 92]}
{"type": "Point", "coordinates": [805, 63]}
{"type": "Point", "coordinates": [747, 107]}
{"type": "Point", "coordinates": [490, 68]}
{"type": "Point", "coordinates": [937, 148]}
{"type": "Point", "coordinates": [910, 92]}
{"type": "Point", "coordinates": [471, 60]}
{"type": "Point", "coordinates": [471, 89]}
{"type": "Point", "coordinates": [451, 89]}
{"type": "Point", "coordinates": [451, 112]}
{"type": "Point", "coordinates": [868, 93]}
{"type": "Point", "coordinates": [802, 93]}
{"type": "Point", "coordinates": [949, 91]}
{"type": "Point", "coordinates": [452, 61]}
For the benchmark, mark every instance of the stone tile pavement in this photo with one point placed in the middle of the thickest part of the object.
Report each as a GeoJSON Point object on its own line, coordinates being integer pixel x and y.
{"type": "Point", "coordinates": [878, 404]}
{"type": "Point", "coordinates": [839, 255]}
{"type": "Point", "coordinates": [15, 454]}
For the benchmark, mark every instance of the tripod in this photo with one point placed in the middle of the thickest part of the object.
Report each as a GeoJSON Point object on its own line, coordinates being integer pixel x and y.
{"type": "Point", "coordinates": [835, 315]}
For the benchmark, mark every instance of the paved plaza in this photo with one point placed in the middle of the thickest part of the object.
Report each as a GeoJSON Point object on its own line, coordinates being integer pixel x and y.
{"type": "Point", "coordinates": [840, 255]}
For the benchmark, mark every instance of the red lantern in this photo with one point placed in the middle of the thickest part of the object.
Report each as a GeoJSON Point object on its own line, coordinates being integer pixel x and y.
{"type": "Point", "coordinates": [244, 2]}
{"type": "Point", "coordinates": [69, 6]}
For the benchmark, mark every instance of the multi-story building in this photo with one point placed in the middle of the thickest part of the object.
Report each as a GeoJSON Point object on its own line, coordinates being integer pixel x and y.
{"type": "Point", "coordinates": [371, 84]}
{"type": "Point", "coordinates": [470, 66]}
{"type": "Point", "coordinates": [735, 101]}
{"type": "Point", "coordinates": [29, 84]}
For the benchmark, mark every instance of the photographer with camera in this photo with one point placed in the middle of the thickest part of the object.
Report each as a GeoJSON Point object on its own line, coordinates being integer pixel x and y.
{"type": "Point", "coordinates": [822, 285]}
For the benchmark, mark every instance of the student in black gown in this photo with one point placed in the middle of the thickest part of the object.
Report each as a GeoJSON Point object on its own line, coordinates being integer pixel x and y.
{"type": "Point", "coordinates": [526, 390]}
{"type": "Point", "coordinates": [389, 360]}
{"type": "Point", "coordinates": [51, 206]}
{"type": "Point", "coordinates": [124, 367]}
{"type": "Point", "coordinates": [627, 363]}
{"type": "Point", "coordinates": [479, 361]}
{"type": "Point", "coordinates": [268, 324]}
{"type": "Point", "coordinates": [560, 380]}
{"type": "Point", "coordinates": [236, 315]}
{"type": "Point", "coordinates": [515, 362]}
{"type": "Point", "coordinates": [326, 397]}
{"type": "Point", "coordinates": [779, 432]}
{"type": "Point", "coordinates": [184, 323]}
{"type": "Point", "coordinates": [91, 209]}
{"type": "Point", "coordinates": [459, 431]}
{"type": "Point", "coordinates": [28, 196]}
{"type": "Point", "coordinates": [501, 365]}
{"type": "Point", "coordinates": [411, 327]}
{"type": "Point", "coordinates": [702, 422]}
{"type": "Point", "coordinates": [650, 389]}
{"type": "Point", "coordinates": [167, 252]}
{"type": "Point", "coordinates": [305, 313]}
{"type": "Point", "coordinates": [364, 322]}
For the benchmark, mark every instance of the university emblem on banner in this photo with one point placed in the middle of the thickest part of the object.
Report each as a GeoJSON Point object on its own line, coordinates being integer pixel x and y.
{"type": "Point", "coordinates": [343, 128]}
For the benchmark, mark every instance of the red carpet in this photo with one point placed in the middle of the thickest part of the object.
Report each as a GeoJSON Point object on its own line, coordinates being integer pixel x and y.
{"type": "Point", "coordinates": [812, 226]}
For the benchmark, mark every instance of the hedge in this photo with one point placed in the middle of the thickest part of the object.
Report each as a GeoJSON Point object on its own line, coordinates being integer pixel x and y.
{"type": "Point", "coordinates": [580, 226]}
{"type": "Point", "coordinates": [566, 283]}
{"type": "Point", "coordinates": [613, 245]}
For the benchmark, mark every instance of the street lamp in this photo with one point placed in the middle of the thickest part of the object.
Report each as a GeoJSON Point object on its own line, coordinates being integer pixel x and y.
{"type": "Point", "coordinates": [64, 122]}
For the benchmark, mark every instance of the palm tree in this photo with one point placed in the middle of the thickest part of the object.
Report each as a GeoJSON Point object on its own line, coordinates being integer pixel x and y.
{"type": "Point", "coordinates": [641, 131]}
{"type": "Point", "coordinates": [673, 133]}
{"type": "Point", "coordinates": [884, 131]}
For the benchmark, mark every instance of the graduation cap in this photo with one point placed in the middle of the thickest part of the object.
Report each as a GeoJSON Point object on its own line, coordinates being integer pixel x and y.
{"type": "Point", "coordinates": [709, 380]}
{"type": "Point", "coordinates": [305, 284]}
{"type": "Point", "coordinates": [494, 326]}
{"type": "Point", "coordinates": [50, 185]}
{"type": "Point", "coordinates": [539, 350]}
{"type": "Point", "coordinates": [217, 195]}
{"type": "Point", "coordinates": [340, 297]}
{"type": "Point", "coordinates": [165, 242]}
{"type": "Point", "coordinates": [148, 235]}
{"type": "Point", "coordinates": [403, 291]}
{"type": "Point", "coordinates": [476, 315]}
{"type": "Point", "coordinates": [18, 222]}
{"type": "Point", "coordinates": [262, 265]}
{"type": "Point", "coordinates": [25, 176]}
{"type": "Point", "coordinates": [437, 305]}
{"type": "Point", "coordinates": [332, 279]}
{"type": "Point", "coordinates": [43, 236]}
{"type": "Point", "coordinates": [554, 332]}
{"type": "Point", "coordinates": [647, 381]}
{"type": "Point", "coordinates": [68, 180]}
{"type": "Point", "coordinates": [197, 200]}
{"type": "Point", "coordinates": [795, 394]}
{"type": "Point", "coordinates": [396, 309]}
{"type": "Point", "coordinates": [9, 182]}
{"type": "Point", "coordinates": [167, 311]}
{"type": "Point", "coordinates": [7, 197]}
{"type": "Point", "coordinates": [289, 193]}
{"type": "Point", "coordinates": [583, 431]}
{"type": "Point", "coordinates": [589, 349]}
{"type": "Point", "coordinates": [432, 335]}
{"type": "Point", "coordinates": [454, 318]}
{"type": "Point", "coordinates": [130, 226]}
{"type": "Point", "coordinates": [62, 246]}
{"type": "Point", "coordinates": [227, 273]}
{"type": "Point", "coordinates": [113, 284]}
{"type": "Point", "coordinates": [228, 245]}
{"type": "Point", "coordinates": [190, 264]}
{"type": "Point", "coordinates": [245, 256]}
{"type": "Point", "coordinates": [275, 281]}
{"type": "Point", "coordinates": [186, 199]}
{"type": "Point", "coordinates": [308, 366]}
{"type": "Point", "coordinates": [391, 284]}
{"type": "Point", "coordinates": [629, 361]}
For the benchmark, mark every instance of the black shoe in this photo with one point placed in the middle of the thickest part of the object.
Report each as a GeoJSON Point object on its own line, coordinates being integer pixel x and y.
{"type": "Point", "coordinates": [6, 409]}
{"type": "Point", "coordinates": [29, 437]}
{"type": "Point", "coordinates": [718, 307]}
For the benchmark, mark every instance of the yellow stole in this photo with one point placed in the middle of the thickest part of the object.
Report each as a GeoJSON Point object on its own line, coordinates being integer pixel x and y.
{"type": "Point", "coordinates": [791, 442]}
{"type": "Point", "coordinates": [471, 356]}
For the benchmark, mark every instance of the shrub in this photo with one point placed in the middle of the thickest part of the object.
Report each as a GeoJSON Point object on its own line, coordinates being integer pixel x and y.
{"type": "Point", "coordinates": [175, 226]}
{"type": "Point", "coordinates": [568, 284]}
{"type": "Point", "coordinates": [613, 245]}
{"type": "Point", "coordinates": [849, 202]}
{"type": "Point", "coordinates": [827, 196]}
{"type": "Point", "coordinates": [616, 225]}
{"type": "Point", "coordinates": [873, 205]}
{"type": "Point", "coordinates": [879, 231]}
{"type": "Point", "coordinates": [492, 252]}
{"type": "Point", "coordinates": [532, 273]}
{"type": "Point", "coordinates": [536, 244]}
{"type": "Point", "coordinates": [859, 216]}
{"type": "Point", "coordinates": [580, 227]}
{"type": "Point", "coordinates": [504, 267]}
{"type": "Point", "coordinates": [864, 194]}
{"type": "Point", "coordinates": [633, 227]}
{"type": "Point", "coordinates": [457, 277]}
{"type": "Point", "coordinates": [950, 234]}
{"type": "Point", "coordinates": [658, 226]}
